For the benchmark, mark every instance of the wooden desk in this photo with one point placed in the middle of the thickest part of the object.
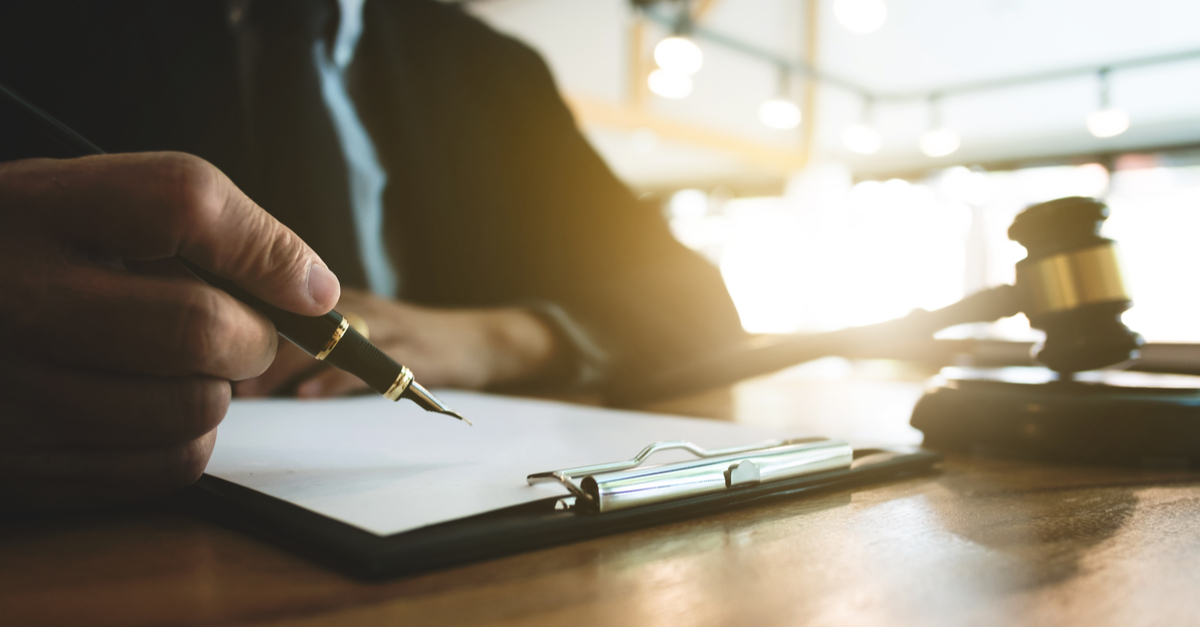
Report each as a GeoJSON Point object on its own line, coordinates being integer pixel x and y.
{"type": "Point", "coordinates": [986, 542]}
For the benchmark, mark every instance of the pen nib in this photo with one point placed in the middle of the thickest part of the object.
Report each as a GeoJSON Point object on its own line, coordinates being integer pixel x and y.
{"type": "Point", "coordinates": [419, 395]}
{"type": "Point", "coordinates": [459, 416]}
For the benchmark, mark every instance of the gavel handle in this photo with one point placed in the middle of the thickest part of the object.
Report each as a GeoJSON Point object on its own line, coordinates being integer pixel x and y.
{"type": "Point", "coordinates": [764, 354]}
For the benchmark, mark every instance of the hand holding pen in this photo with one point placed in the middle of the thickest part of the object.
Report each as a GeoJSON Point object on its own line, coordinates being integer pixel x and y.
{"type": "Point", "coordinates": [112, 382]}
{"type": "Point", "coordinates": [327, 337]}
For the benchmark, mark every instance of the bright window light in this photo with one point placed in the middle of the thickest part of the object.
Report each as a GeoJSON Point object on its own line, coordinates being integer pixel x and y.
{"type": "Point", "coordinates": [669, 84]}
{"type": "Point", "coordinates": [779, 113]}
{"type": "Point", "coordinates": [888, 249]}
{"type": "Point", "coordinates": [940, 142]}
{"type": "Point", "coordinates": [679, 55]}
{"type": "Point", "coordinates": [862, 139]}
{"type": "Point", "coordinates": [1108, 122]}
{"type": "Point", "coordinates": [688, 204]}
{"type": "Point", "coordinates": [876, 250]}
{"type": "Point", "coordinates": [962, 185]}
{"type": "Point", "coordinates": [1154, 220]}
{"type": "Point", "coordinates": [688, 216]}
{"type": "Point", "coordinates": [860, 16]}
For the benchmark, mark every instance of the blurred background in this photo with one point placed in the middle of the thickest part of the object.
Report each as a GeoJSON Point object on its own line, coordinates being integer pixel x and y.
{"type": "Point", "coordinates": [845, 161]}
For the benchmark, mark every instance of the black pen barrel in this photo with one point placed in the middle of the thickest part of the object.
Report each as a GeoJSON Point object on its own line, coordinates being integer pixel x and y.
{"type": "Point", "coordinates": [324, 337]}
{"type": "Point", "coordinates": [356, 355]}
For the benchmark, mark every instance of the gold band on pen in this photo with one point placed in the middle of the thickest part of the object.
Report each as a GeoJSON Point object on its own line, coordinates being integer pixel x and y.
{"type": "Point", "coordinates": [402, 381]}
{"type": "Point", "coordinates": [333, 341]}
{"type": "Point", "coordinates": [1069, 280]}
{"type": "Point", "coordinates": [358, 323]}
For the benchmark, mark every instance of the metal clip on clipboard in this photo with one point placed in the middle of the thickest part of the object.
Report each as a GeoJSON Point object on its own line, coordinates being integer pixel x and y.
{"type": "Point", "coordinates": [625, 484]}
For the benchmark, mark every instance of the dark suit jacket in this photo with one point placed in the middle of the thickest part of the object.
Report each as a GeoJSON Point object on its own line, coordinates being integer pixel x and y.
{"type": "Point", "coordinates": [493, 195]}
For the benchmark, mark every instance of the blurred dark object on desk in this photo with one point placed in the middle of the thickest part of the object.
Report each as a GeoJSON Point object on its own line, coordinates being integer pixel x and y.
{"type": "Point", "coordinates": [1110, 417]}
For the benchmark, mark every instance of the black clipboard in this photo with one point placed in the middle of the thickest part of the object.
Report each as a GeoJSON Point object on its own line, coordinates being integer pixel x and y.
{"type": "Point", "coordinates": [502, 532]}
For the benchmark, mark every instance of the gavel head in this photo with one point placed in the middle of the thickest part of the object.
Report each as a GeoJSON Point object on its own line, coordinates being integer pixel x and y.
{"type": "Point", "coordinates": [1071, 285]}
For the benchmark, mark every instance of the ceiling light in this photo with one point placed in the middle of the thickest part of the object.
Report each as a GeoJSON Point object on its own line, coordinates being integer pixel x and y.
{"type": "Point", "coordinates": [1107, 121]}
{"type": "Point", "coordinates": [862, 139]}
{"type": "Point", "coordinates": [679, 55]}
{"type": "Point", "coordinates": [670, 84]}
{"type": "Point", "coordinates": [779, 113]}
{"type": "Point", "coordinates": [860, 16]}
{"type": "Point", "coordinates": [940, 142]}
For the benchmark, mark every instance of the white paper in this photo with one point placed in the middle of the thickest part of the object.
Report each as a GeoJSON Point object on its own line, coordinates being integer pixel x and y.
{"type": "Point", "coordinates": [390, 467]}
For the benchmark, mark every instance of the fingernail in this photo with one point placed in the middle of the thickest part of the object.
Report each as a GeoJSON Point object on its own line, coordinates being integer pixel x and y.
{"type": "Point", "coordinates": [310, 389]}
{"type": "Point", "coordinates": [323, 286]}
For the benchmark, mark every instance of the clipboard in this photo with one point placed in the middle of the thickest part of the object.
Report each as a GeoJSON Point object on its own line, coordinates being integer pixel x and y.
{"type": "Point", "coordinates": [605, 499]}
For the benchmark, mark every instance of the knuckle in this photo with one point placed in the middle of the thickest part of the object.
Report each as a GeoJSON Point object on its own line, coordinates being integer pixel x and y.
{"type": "Point", "coordinates": [204, 202]}
{"type": "Point", "coordinates": [202, 405]}
{"type": "Point", "coordinates": [266, 357]}
{"type": "Point", "coordinates": [193, 191]}
{"type": "Point", "coordinates": [202, 329]}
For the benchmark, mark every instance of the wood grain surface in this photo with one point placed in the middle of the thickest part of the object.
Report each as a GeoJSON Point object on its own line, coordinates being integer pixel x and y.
{"type": "Point", "coordinates": [984, 542]}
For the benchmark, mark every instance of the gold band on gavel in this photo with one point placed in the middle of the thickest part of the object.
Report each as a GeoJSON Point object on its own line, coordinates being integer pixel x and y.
{"type": "Point", "coordinates": [333, 340]}
{"type": "Point", "coordinates": [1069, 280]}
{"type": "Point", "coordinates": [399, 385]}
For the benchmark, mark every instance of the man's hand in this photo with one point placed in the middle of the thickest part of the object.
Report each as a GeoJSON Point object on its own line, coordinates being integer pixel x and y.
{"type": "Point", "coordinates": [470, 348]}
{"type": "Point", "coordinates": [114, 364]}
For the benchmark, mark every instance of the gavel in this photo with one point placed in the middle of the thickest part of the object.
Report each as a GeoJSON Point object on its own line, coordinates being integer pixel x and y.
{"type": "Point", "coordinates": [1069, 285]}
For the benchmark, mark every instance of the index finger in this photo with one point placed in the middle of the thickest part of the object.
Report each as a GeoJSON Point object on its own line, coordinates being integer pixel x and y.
{"type": "Point", "coordinates": [155, 205]}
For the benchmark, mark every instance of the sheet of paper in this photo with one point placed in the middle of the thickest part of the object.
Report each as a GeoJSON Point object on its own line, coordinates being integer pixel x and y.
{"type": "Point", "coordinates": [391, 467]}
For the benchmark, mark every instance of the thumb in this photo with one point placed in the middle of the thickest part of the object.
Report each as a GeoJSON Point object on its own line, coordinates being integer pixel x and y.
{"type": "Point", "coordinates": [157, 205]}
{"type": "Point", "coordinates": [235, 238]}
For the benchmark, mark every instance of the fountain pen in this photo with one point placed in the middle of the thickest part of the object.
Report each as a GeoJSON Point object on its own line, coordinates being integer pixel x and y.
{"type": "Point", "coordinates": [329, 338]}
